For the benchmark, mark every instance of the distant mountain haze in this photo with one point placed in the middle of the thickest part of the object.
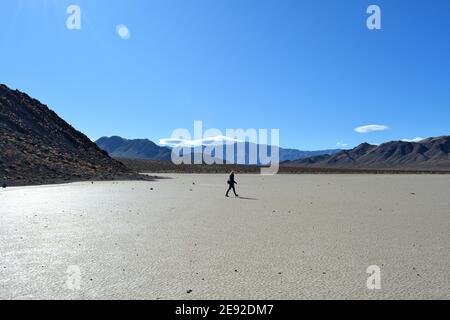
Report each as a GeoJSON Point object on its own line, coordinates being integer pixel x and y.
{"type": "Point", "coordinates": [146, 149]}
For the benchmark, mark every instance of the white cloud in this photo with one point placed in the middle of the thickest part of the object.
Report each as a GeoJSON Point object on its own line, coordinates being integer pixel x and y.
{"type": "Point", "coordinates": [371, 128]}
{"type": "Point", "coordinates": [341, 144]}
{"type": "Point", "coordinates": [418, 139]}
{"type": "Point", "coordinates": [215, 140]}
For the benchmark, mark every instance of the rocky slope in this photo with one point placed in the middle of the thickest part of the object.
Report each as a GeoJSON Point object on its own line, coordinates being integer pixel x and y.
{"type": "Point", "coordinates": [38, 147]}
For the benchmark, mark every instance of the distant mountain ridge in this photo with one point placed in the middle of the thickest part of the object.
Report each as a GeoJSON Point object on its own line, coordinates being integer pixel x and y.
{"type": "Point", "coordinates": [37, 146]}
{"type": "Point", "coordinates": [146, 149]}
{"type": "Point", "coordinates": [135, 149]}
{"type": "Point", "coordinates": [431, 153]}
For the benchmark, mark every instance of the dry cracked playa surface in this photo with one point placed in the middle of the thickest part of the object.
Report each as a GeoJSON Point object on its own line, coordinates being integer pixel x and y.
{"type": "Point", "coordinates": [288, 237]}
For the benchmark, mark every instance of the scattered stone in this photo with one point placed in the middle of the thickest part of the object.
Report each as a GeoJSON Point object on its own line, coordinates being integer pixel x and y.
{"type": "Point", "coordinates": [189, 291]}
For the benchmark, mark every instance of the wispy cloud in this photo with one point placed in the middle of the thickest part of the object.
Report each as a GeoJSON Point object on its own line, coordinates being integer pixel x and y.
{"type": "Point", "coordinates": [342, 145]}
{"type": "Point", "coordinates": [418, 139]}
{"type": "Point", "coordinates": [215, 140]}
{"type": "Point", "coordinates": [371, 128]}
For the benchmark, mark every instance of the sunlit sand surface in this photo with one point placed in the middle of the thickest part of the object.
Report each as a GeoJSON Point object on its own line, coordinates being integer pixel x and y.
{"type": "Point", "coordinates": [289, 237]}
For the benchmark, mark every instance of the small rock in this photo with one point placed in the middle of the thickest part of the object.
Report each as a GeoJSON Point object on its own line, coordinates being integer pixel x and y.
{"type": "Point", "coordinates": [189, 291]}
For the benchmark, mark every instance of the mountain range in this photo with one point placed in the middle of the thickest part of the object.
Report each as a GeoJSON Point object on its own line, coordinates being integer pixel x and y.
{"type": "Point", "coordinates": [37, 146]}
{"type": "Point", "coordinates": [134, 149]}
{"type": "Point", "coordinates": [431, 153]}
{"type": "Point", "coordinates": [148, 150]}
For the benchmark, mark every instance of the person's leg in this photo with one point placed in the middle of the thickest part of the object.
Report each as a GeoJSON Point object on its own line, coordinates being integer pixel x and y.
{"type": "Point", "coordinates": [229, 188]}
{"type": "Point", "coordinates": [234, 190]}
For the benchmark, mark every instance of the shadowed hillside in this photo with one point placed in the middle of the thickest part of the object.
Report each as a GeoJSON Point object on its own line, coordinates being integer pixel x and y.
{"type": "Point", "coordinates": [37, 146]}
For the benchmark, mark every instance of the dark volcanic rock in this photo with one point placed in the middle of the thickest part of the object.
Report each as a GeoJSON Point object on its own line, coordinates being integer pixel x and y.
{"type": "Point", "coordinates": [38, 147]}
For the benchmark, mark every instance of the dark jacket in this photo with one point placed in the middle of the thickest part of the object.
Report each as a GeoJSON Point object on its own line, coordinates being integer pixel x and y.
{"type": "Point", "coordinates": [231, 181]}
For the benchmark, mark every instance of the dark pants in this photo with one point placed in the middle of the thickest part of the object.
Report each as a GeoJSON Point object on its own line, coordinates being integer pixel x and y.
{"type": "Point", "coordinates": [232, 188]}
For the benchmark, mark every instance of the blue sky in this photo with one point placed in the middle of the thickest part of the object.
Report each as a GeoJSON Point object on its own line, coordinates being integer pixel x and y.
{"type": "Point", "coordinates": [309, 68]}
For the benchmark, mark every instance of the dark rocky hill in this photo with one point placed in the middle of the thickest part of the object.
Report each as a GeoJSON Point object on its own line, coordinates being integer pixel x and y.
{"type": "Point", "coordinates": [38, 147]}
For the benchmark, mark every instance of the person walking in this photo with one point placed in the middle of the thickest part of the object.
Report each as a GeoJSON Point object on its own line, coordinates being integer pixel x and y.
{"type": "Point", "coordinates": [231, 182]}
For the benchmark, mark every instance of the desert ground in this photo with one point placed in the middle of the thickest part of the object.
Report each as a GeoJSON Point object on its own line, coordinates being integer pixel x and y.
{"type": "Point", "coordinates": [309, 236]}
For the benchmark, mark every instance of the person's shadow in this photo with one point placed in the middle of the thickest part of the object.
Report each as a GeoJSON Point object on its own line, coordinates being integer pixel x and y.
{"type": "Point", "coordinates": [244, 198]}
